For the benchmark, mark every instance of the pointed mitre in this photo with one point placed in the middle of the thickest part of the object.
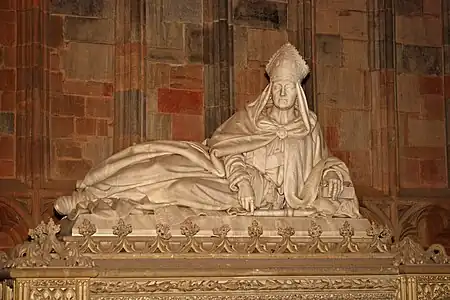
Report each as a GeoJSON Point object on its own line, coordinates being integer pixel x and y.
{"type": "Point", "coordinates": [287, 64]}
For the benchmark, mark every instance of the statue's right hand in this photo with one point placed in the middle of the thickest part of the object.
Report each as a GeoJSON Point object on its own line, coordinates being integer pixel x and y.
{"type": "Point", "coordinates": [246, 196]}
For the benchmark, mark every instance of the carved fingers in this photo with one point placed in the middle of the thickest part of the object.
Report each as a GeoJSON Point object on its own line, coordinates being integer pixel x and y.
{"type": "Point", "coordinates": [246, 196]}
{"type": "Point", "coordinates": [335, 188]}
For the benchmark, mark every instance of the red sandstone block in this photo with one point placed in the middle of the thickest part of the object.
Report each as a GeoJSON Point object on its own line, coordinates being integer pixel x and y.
{"type": "Point", "coordinates": [55, 61]}
{"type": "Point", "coordinates": [61, 126]}
{"type": "Point", "coordinates": [430, 85]}
{"type": "Point", "coordinates": [8, 101]}
{"type": "Point", "coordinates": [188, 77]}
{"type": "Point", "coordinates": [248, 81]}
{"type": "Point", "coordinates": [7, 147]}
{"type": "Point", "coordinates": [433, 107]}
{"type": "Point", "coordinates": [7, 4]}
{"type": "Point", "coordinates": [108, 89]}
{"type": "Point", "coordinates": [433, 173]}
{"type": "Point", "coordinates": [87, 88]}
{"type": "Point", "coordinates": [332, 137]}
{"type": "Point", "coordinates": [187, 128]}
{"type": "Point", "coordinates": [67, 148]}
{"type": "Point", "coordinates": [8, 34]}
{"type": "Point", "coordinates": [7, 80]}
{"type": "Point", "coordinates": [180, 101]}
{"type": "Point", "coordinates": [55, 37]}
{"type": "Point", "coordinates": [85, 126]}
{"type": "Point", "coordinates": [56, 82]}
{"type": "Point", "coordinates": [9, 57]}
{"type": "Point", "coordinates": [7, 168]}
{"type": "Point", "coordinates": [99, 107]}
{"type": "Point", "coordinates": [409, 171]}
{"type": "Point", "coordinates": [342, 155]}
{"type": "Point", "coordinates": [7, 16]}
{"type": "Point", "coordinates": [68, 105]}
{"type": "Point", "coordinates": [102, 128]}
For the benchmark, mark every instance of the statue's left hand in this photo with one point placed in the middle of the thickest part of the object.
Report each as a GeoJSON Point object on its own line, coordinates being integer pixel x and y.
{"type": "Point", "coordinates": [335, 184]}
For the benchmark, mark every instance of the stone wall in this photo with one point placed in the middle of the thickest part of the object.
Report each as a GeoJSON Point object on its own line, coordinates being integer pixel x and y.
{"type": "Point", "coordinates": [81, 79]}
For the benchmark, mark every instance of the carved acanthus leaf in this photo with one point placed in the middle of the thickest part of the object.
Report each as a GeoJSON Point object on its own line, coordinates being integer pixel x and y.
{"type": "Point", "coordinates": [381, 238]}
{"type": "Point", "coordinates": [45, 247]}
{"type": "Point", "coordinates": [316, 245]}
{"type": "Point", "coordinates": [347, 244]}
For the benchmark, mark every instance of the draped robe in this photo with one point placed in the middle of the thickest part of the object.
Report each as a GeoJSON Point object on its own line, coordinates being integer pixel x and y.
{"type": "Point", "coordinates": [205, 177]}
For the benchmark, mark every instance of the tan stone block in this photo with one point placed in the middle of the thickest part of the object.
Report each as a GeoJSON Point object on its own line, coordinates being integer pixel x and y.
{"type": "Point", "coordinates": [354, 130]}
{"type": "Point", "coordinates": [328, 49]}
{"type": "Point", "coordinates": [357, 5]}
{"type": "Point", "coordinates": [254, 44]}
{"type": "Point", "coordinates": [426, 133]}
{"type": "Point", "coordinates": [355, 54]}
{"type": "Point", "coordinates": [159, 126]}
{"type": "Point", "coordinates": [272, 41]}
{"type": "Point", "coordinates": [157, 75]}
{"type": "Point", "coordinates": [352, 89]}
{"type": "Point", "coordinates": [408, 93]}
{"type": "Point", "coordinates": [240, 37]}
{"type": "Point", "coordinates": [328, 79]}
{"type": "Point", "coordinates": [327, 21]}
{"type": "Point", "coordinates": [97, 148]}
{"type": "Point", "coordinates": [353, 25]}
{"type": "Point", "coordinates": [360, 166]}
{"type": "Point", "coordinates": [419, 30]}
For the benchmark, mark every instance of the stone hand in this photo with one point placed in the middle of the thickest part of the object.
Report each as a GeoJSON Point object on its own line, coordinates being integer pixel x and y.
{"type": "Point", "coordinates": [335, 184]}
{"type": "Point", "coordinates": [246, 196]}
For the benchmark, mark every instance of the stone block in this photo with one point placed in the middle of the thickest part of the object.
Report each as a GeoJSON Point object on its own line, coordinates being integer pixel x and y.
{"type": "Point", "coordinates": [355, 54]}
{"type": "Point", "coordinates": [7, 80]}
{"type": "Point", "coordinates": [189, 77]}
{"type": "Point", "coordinates": [85, 126]}
{"type": "Point", "coordinates": [353, 25]}
{"type": "Point", "coordinates": [180, 101]}
{"type": "Point", "coordinates": [240, 45]}
{"type": "Point", "coordinates": [423, 153]}
{"type": "Point", "coordinates": [419, 59]}
{"type": "Point", "coordinates": [161, 55]}
{"type": "Point", "coordinates": [354, 130]}
{"type": "Point", "coordinates": [157, 75]}
{"type": "Point", "coordinates": [337, 5]}
{"type": "Point", "coordinates": [432, 7]}
{"type": "Point", "coordinates": [327, 21]}
{"type": "Point", "coordinates": [277, 38]}
{"type": "Point", "coordinates": [87, 88]}
{"type": "Point", "coordinates": [72, 169]}
{"type": "Point", "coordinates": [7, 147]}
{"type": "Point", "coordinates": [89, 30]}
{"type": "Point", "coordinates": [194, 43]}
{"type": "Point", "coordinates": [96, 149]}
{"type": "Point", "coordinates": [408, 7]}
{"type": "Point", "coordinates": [61, 127]}
{"type": "Point", "coordinates": [352, 89]}
{"type": "Point", "coordinates": [7, 101]}
{"type": "Point", "coordinates": [55, 36]}
{"type": "Point", "coordinates": [419, 30]}
{"type": "Point", "coordinates": [360, 166]}
{"type": "Point", "coordinates": [99, 107]}
{"type": "Point", "coordinates": [166, 35]}
{"type": "Point", "coordinates": [426, 133]}
{"type": "Point", "coordinates": [329, 49]}
{"type": "Point", "coordinates": [433, 107]}
{"type": "Point", "coordinates": [408, 93]}
{"type": "Point", "coordinates": [88, 8]}
{"type": "Point", "coordinates": [186, 11]}
{"type": "Point", "coordinates": [8, 36]}
{"type": "Point", "coordinates": [86, 61]}
{"type": "Point", "coordinates": [433, 173]}
{"type": "Point", "coordinates": [102, 128]}
{"type": "Point", "coordinates": [159, 126]}
{"type": "Point", "coordinates": [431, 85]}
{"type": "Point", "coordinates": [409, 171]}
{"type": "Point", "coordinates": [187, 128]}
{"type": "Point", "coordinates": [68, 105]}
{"type": "Point", "coordinates": [64, 148]}
{"type": "Point", "coordinates": [7, 125]}
{"type": "Point", "coordinates": [254, 44]}
{"type": "Point", "coordinates": [260, 13]}
{"type": "Point", "coordinates": [7, 168]}
{"type": "Point", "coordinates": [248, 81]}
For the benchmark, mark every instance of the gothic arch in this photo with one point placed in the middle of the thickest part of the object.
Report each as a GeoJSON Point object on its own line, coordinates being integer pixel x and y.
{"type": "Point", "coordinates": [14, 223]}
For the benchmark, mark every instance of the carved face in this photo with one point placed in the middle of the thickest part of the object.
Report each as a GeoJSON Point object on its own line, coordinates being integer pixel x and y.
{"type": "Point", "coordinates": [284, 94]}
